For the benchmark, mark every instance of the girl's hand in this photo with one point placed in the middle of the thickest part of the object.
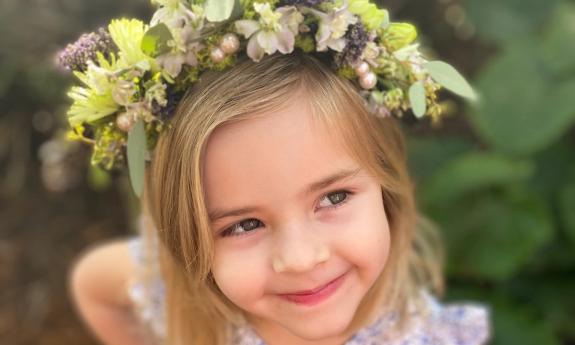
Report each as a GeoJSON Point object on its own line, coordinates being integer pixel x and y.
{"type": "Point", "coordinates": [98, 283]}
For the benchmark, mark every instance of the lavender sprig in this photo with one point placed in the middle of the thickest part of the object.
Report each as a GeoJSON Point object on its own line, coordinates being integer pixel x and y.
{"type": "Point", "coordinates": [75, 56]}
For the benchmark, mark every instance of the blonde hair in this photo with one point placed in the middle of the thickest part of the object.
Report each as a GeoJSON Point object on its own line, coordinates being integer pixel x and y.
{"type": "Point", "coordinates": [196, 311]}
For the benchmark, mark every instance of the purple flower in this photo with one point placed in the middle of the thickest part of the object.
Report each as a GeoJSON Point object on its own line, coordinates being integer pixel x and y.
{"type": "Point", "coordinates": [308, 3]}
{"type": "Point", "coordinates": [75, 56]}
{"type": "Point", "coordinates": [357, 39]}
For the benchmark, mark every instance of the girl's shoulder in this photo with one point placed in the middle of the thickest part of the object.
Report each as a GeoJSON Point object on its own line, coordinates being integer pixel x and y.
{"type": "Point", "coordinates": [442, 324]}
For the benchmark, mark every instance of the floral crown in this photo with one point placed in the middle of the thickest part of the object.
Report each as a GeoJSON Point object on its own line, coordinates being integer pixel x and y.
{"type": "Point", "coordinates": [134, 74]}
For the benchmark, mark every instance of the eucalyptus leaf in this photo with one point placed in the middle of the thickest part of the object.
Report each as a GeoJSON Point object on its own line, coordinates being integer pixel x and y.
{"type": "Point", "coordinates": [219, 10]}
{"type": "Point", "coordinates": [417, 99]}
{"type": "Point", "coordinates": [448, 77]}
{"type": "Point", "coordinates": [155, 40]}
{"type": "Point", "coordinates": [136, 156]}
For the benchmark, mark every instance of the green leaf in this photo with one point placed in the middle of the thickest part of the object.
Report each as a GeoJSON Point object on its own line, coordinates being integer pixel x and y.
{"type": "Point", "coordinates": [449, 78]}
{"type": "Point", "coordinates": [494, 233]}
{"type": "Point", "coordinates": [219, 10]}
{"type": "Point", "coordinates": [557, 55]}
{"type": "Point", "coordinates": [471, 172]}
{"type": "Point", "coordinates": [137, 156]}
{"type": "Point", "coordinates": [427, 155]}
{"type": "Point", "coordinates": [519, 324]}
{"type": "Point", "coordinates": [522, 109]}
{"type": "Point", "coordinates": [508, 19]}
{"type": "Point", "coordinates": [155, 40]}
{"type": "Point", "coordinates": [567, 208]}
{"type": "Point", "coordinates": [417, 99]}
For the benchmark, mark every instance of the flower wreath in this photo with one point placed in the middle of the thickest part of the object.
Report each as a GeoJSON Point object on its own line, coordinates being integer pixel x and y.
{"type": "Point", "coordinates": [134, 74]}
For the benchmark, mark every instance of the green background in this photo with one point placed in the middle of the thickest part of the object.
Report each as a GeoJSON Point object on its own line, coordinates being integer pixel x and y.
{"type": "Point", "coordinates": [498, 176]}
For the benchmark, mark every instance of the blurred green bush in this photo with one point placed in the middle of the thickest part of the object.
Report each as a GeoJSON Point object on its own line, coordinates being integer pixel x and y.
{"type": "Point", "coordinates": [505, 195]}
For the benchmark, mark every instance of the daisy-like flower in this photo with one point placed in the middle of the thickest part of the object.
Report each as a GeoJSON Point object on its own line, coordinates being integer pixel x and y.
{"type": "Point", "coordinates": [95, 100]}
{"type": "Point", "coordinates": [275, 30]}
{"type": "Point", "coordinates": [127, 35]}
{"type": "Point", "coordinates": [332, 27]}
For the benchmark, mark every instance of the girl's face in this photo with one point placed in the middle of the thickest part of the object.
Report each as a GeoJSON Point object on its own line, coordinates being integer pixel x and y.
{"type": "Point", "coordinates": [300, 228]}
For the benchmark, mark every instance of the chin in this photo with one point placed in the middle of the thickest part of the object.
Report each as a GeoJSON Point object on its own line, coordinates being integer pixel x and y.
{"type": "Point", "coordinates": [320, 328]}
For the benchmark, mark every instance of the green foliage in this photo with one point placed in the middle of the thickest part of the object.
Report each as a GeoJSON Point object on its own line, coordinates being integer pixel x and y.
{"type": "Point", "coordinates": [529, 108]}
{"type": "Point", "coordinates": [156, 40]}
{"type": "Point", "coordinates": [417, 98]}
{"type": "Point", "coordinates": [219, 10]}
{"type": "Point", "coordinates": [449, 78]}
{"type": "Point", "coordinates": [507, 20]}
{"type": "Point", "coordinates": [506, 203]}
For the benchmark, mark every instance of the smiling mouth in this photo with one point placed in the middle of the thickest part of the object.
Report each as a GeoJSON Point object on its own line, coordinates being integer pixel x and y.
{"type": "Point", "coordinates": [317, 295]}
{"type": "Point", "coordinates": [313, 291]}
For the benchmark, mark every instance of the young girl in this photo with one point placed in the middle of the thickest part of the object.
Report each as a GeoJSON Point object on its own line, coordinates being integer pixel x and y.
{"type": "Point", "coordinates": [277, 209]}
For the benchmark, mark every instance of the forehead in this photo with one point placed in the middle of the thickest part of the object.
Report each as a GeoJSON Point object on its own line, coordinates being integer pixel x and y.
{"type": "Point", "coordinates": [270, 157]}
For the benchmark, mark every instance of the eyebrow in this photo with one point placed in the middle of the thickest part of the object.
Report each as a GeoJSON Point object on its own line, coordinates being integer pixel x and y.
{"type": "Point", "coordinates": [313, 187]}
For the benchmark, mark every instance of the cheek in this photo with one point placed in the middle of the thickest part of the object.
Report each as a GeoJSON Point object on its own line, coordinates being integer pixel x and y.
{"type": "Point", "coordinates": [367, 241]}
{"type": "Point", "coordinates": [239, 274]}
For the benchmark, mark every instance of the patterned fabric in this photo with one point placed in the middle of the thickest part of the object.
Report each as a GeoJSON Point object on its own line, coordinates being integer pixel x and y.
{"type": "Point", "coordinates": [455, 324]}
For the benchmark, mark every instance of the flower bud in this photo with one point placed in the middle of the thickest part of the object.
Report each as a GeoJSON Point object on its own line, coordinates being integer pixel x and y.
{"type": "Point", "coordinates": [217, 55]}
{"type": "Point", "coordinates": [368, 81]}
{"type": "Point", "coordinates": [230, 43]}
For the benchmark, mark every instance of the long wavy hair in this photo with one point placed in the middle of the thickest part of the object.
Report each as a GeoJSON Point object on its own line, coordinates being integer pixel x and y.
{"type": "Point", "coordinates": [196, 310]}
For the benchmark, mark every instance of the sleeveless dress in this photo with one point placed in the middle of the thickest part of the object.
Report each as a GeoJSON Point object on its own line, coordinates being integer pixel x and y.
{"type": "Point", "coordinates": [455, 324]}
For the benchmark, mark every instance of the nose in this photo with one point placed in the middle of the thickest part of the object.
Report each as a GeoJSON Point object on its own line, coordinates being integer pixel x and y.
{"type": "Point", "coordinates": [298, 249]}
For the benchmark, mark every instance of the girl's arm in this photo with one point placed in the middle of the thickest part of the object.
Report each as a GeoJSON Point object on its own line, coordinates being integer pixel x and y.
{"type": "Point", "coordinates": [98, 284]}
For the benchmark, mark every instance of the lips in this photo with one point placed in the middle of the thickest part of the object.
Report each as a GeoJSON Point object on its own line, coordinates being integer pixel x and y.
{"type": "Point", "coordinates": [314, 296]}
{"type": "Point", "coordinates": [310, 292]}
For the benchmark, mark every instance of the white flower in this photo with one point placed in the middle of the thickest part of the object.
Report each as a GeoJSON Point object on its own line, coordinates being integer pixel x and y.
{"type": "Point", "coordinates": [185, 46]}
{"type": "Point", "coordinates": [97, 78]}
{"type": "Point", "coordinates": [123, 92]}
{"type": "Point", "coordinates": [275, 30]}
{"type": "Point", "coordinates": [332, 27]}
{"type": "Point", "coordinates": [157, 93]}
{"type": "Point", "coordinates": [175, 14]}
